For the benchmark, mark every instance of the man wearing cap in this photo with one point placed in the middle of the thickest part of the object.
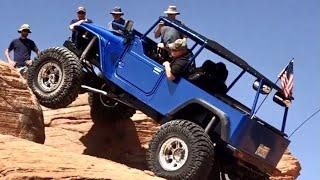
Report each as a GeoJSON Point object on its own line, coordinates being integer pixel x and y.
{"type": "Point", "coordinates": [181, 56]}
{"type": "Point", "coordinates": [81, 18]}
{"type": "Point", "coordinates": [168, 34]}
{"type": "Point", "coordinates": [22, 48]}
{"type": "Point", "coordinates": [117, 18]}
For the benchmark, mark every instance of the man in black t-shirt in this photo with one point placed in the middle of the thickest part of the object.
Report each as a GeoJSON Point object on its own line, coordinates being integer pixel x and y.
{"type": "Point", "coordinates": [22, 48]}
{"type": "Point", "coordinates": [181, 56]}
{"type": "Point", "coordinates": [81, 18]}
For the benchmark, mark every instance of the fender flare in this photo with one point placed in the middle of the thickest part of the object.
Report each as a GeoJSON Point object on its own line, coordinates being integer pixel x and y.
{"type": "Point", "coordinates": [224, 120]}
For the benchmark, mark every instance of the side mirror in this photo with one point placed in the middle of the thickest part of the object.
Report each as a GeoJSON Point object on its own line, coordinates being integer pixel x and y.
{"type": "Point", "coordinates": [265, 89]}
{"type": "Point", "coordinates": [128, 26]}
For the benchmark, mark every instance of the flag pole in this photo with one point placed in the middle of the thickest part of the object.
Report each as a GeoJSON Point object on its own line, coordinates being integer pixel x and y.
{"type": "Point", "coordinates": [275, 83]}
{"type": "Point", "coordinates": [284, 120]}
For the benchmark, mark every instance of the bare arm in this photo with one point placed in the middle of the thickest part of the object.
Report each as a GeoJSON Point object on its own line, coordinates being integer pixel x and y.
{"type": "Point", "coordinates": [167, 67]}
{"type": "Point", "coordinates": [71, 27]}
{"type": "Point", "coordinates": [38, 53]}
{"type": "Point", "coordinates": [157, 32]}
{"type": "Point", "coordinates": [7, 54]}
{"type": "Point", "coordinates": [36, 50]}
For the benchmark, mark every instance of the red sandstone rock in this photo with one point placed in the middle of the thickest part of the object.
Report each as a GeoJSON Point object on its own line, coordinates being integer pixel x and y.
{"type": "Point", "coordinates": [289, 167]}
{"type": "Point", "coordinates": [21, 159]}
{"type": "Point", "coordinates": [20, 114]}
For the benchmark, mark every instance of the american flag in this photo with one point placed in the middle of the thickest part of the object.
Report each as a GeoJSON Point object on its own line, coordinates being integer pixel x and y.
{"type": "Point", "coordinates": [286, 77]}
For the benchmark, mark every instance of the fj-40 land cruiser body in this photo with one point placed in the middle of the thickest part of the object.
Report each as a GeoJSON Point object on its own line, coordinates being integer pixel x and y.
{"type": "Point", "coordinates": [204, 131]}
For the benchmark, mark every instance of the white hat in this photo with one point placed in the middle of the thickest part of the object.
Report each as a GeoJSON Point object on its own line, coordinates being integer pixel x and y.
{"type": "Point", "coordinates": [24, 27]}
{"type": "Point", "coordinates": [179, 44]}
{"type": "Point", "coordinates": [81, 8]}
{"type": "Point", "coordinates": [171, 10]}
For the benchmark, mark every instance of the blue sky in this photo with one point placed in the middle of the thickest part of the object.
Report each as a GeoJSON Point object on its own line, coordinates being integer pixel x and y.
{"type": "Point", "coordinates": [265, 33]}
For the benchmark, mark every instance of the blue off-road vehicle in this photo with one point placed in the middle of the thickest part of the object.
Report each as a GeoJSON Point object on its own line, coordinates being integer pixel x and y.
{"type": "Point", "coordinates": [204, 132]}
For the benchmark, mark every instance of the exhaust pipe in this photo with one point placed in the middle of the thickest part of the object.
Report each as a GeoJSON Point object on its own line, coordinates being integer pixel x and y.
{"type": "Point", "coordinates": [104, 93]}
{"type": "Point", "coordinates": [94, 90]}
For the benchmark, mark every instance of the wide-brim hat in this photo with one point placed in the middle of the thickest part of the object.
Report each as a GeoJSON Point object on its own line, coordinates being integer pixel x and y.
{"type": "Point", "coordinates": [179, 44]}
{"type": "Point", "coordinates": [24, 27]}
{"type": "Point", "coordinates": [117, 10]}
{"type": "Point", "coordinates": [171, 10]}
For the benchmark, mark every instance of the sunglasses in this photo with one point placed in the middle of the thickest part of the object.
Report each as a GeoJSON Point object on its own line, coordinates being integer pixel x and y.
{"type": "Point", "coordinates": [81, 12]}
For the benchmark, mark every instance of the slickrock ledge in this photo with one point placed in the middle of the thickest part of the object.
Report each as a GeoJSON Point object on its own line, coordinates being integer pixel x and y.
{"type": "Point", "coordinates": [22, 159]}
{"type": "Point", "coordinates": [20, 113]}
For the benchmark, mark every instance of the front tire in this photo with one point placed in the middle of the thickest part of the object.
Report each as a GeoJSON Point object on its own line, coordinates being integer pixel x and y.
{"type": "Point", "coordinates": [55, 78]}
{"type": "Point", "coordinates": [181, 150]}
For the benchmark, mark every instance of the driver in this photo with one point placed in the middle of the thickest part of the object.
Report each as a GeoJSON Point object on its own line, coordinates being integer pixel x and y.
{"type": "Point", "coordinates": [22, 48]}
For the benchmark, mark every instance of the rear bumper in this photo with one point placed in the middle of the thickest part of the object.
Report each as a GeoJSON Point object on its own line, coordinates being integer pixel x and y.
{"type": "Point", "coordinates": [250, 162]}
{"type": "Point", "coordinates": [258, 145]}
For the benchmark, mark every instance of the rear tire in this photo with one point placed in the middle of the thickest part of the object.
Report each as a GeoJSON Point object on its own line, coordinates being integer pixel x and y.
{"type": "Point", "coordinates": [104, 109]}
{"type": "Point", "coordinates": [181, 150]}
{"type": "Point", "coordinates": [55, 78]}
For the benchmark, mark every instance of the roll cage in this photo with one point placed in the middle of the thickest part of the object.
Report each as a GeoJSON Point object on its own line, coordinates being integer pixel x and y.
{"type": "Point", "coordinates": [214, 47]}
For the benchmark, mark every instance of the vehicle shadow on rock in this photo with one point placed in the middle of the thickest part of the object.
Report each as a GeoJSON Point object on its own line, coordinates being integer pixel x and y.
{"type": "Point", "coordinates": [117, 141]}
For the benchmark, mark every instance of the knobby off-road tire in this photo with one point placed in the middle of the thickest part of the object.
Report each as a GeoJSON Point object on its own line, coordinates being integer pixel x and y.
{"type": "Point", "coordinates": [181, 150]}
{"type": "Point", "coordinates": [55, 78]}
{"type": "Point", "coordinates": [104, 109]}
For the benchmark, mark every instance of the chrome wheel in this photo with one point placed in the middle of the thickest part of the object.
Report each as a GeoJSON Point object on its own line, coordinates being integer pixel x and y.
{"type": "Point", "coordinates": [173, 154]}
{"type": "Point", "coordinates": [49, 77]}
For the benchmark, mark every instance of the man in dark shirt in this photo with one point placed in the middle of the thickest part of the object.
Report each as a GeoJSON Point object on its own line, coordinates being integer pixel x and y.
{"type": "Point", "coordinates": [22, 49]}
{"type": "Point", "coordinates": [81, 18]}
{"type": "Point", "coordinates": [181, 56]}
{"type": "Point", "coordinates": [117, 18]}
